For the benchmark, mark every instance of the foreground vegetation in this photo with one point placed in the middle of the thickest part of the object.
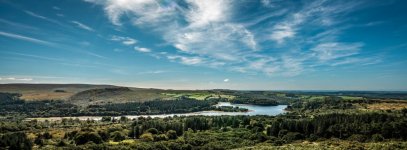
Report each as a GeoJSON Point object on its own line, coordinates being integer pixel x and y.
{"type": "Point", "coordinates": [312, 121]}
{"type": "Point", "coordinates": [386, 130]}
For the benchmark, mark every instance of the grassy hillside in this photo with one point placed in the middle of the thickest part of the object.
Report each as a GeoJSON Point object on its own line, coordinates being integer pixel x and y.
{"type": "Point", "coordinates": [86, 94]}
{"type": "Point", "coordinates": [115, 95]}
{"type": "Point", "coordinates": [48, 91]}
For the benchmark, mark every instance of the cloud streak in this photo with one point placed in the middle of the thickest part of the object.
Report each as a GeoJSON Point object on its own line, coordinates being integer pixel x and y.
{"type": "Point", "coordinates": [15, 79]}
{"type": "Point", "coordinates": [82, 26]}
{"type": "Point", "coordinates": [26, 38]}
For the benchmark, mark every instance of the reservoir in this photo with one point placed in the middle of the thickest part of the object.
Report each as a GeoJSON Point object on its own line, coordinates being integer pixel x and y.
{"type": "Point", "coordinates": [253, 110]}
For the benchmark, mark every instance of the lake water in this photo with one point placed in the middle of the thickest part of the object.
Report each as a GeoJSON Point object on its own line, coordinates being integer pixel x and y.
{"type": "Point", "coordinates": [256, 109]}
{"type": "Point", "coordinates": [253, 110]}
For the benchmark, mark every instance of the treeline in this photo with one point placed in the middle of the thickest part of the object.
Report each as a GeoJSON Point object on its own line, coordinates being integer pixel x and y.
{"type": "Point", "coordinates": [183, 105]}
{"type": "Point", "coordinates": [330, 102]}
{"type": "Point", "coordinates": [261, 102]}
{"type": "Point", "coordinates": [366, 94]}
{"type": "Point", "coordinates": [360, 127]}
{"type": "Point", "coordinates": [12, 105]}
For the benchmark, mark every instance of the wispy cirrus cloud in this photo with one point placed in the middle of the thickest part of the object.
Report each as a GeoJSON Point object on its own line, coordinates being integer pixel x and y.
{"type": "Point", "coordinates": [42, 17]}
{"type": "Point", "coordinates": [334, 50]}
{"type": "Point", "coordinates": [82, 26]}
{"type": "Point", "coordinates": [56, 8]}
{"type": "Point", "coordinates": [154, 72]}
{"type": "Point", "coordinates": [26, 38]}
{"type": "Point", "coordinates": [12, 24]}
{"type": "Point", "coordinates": [34, 56]}
{"type": "Point", "coordinates": [15, 79]}
{"type": "Point", "coordinates": [207, 33]}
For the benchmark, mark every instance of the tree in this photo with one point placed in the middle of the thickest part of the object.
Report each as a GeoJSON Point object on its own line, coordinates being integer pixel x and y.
{"type": "Point", "coordinates": [16, 140]}
{"type": "Point", "coordinates": [39, 140]}
{"type": "Point", "coordinates": [106, 119]}
{"type": "Point", "coordinates": [171, 134]}
{"type": "Point", "coordinates": [85, 137]}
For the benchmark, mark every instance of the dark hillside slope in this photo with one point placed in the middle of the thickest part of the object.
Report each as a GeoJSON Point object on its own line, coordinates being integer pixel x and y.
{"type": "Point", "coordinates": [48, 91]}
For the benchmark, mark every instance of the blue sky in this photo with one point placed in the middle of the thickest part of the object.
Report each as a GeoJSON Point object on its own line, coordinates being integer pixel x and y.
{"type": "Point", "coordinates": [194, 44]}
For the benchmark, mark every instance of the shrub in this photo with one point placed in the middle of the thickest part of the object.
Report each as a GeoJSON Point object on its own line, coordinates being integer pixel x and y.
{"type": "Point", "coordinates": [47, 135]}
{"type": "Point", "coordinates": [312, 138]}
{"type": "Point", "coordinates": [147, 137]}
{"type": "Point", "coordinates": [281, 133]}
{"type": "Point", "coordinates": [118, 136]}
{"type": "Point", "coordinates": [160, 137]}
{"type": "Point", "coordinates": [357, 137]}
{"type": "Point", "coordinates": [278, 142]}
{"type": "Point", "coordinates": [61, 143]}
{"type": "Point", "coordinates": [377, 138]}
{"type": "Point", "coordinates": [292, 136]}
{"type": "Point", "coordinates": [171, 134]}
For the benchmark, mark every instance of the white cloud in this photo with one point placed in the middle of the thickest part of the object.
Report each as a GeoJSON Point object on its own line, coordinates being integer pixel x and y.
{"type": "Point", "coordinates": [35, 15]}
{"type": "Point", "coordinates": [56, 8]}
{"type": "Point", "coordinates": [271, 70]}
{"type": "Point", "coordinates": [94, 54]}
{"type": "Point", "coordinates": [153, 72]}
{"type": "Point", "coordinates": [207, 32]}
{"type": "Point", "coordinates": [34, 56]}
{"type": "Point", "coordinates": [282, 32]}
{"type": "Point", "coordinates": [124, 40]}
{"type": "Point", "coordinates": [181, 47]}
{"type": "Point", "coordinates": [18, 25]}
{"type": "Point", "coordinates": [334, 50]}
{"type": "Point", "coordinates": [43, 18]}
{"type": "Point", "coordinates": [83, 26]}
{"type": "Point", "coordinates": [25, 38]}
{"type": "Point", "coordinates": [286, 29]}
{"type": "Point", "coordinates": [142, 49]}
{"type": "Point", "coordinates": [15, 79]}
{"type": "Point", "coordinates": [292, 66]}
{"type": "Point", "coordinates": [222, 41]}
{"type": "Point", "coordinates": [359, 61]}
{"type": "Point", "coordinates": [258, 64]}
{"type": "Point", "coordinates": [204, 12]}
{"type": "Point", "coordinates": [226, 80]}
{"type": "Point", "coordinates": [267, 3]}
{"type": "Point", "coordinates": [129, 41]}
{"type": "Point", "coordinates": [141, 11]}
{"type": "Point", "coordinates": [186, 60]}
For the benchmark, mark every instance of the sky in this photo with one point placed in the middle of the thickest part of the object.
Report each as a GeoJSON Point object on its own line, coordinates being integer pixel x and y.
{"type": "Point", "coordinates": [206, 44]}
